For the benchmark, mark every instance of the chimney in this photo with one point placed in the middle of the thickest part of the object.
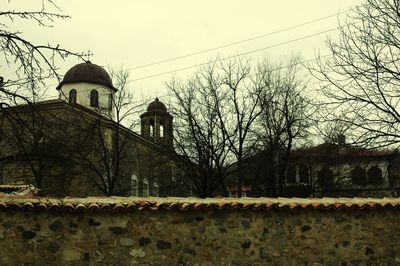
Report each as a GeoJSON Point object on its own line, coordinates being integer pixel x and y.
{"type": "Point", "coordinates": [341, 139]}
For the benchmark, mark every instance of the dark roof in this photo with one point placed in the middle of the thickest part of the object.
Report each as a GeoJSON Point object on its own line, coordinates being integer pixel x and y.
{"type": "Point", "coordinates": [156, 107]}
{"type": "Point", "coordinates": [87, 72]}
{"type": "Point", "coordinates": [337, 150]}
{"type": "Point", "coordinates": [59, 103]}
{"type": "Point", "coordinates": [174, 203]}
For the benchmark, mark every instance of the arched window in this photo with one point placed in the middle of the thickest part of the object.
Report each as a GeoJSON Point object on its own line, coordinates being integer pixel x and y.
{"type": "Point", "coordinates": [134, 186]}
{"type": "Point", "coordinates": [151, 128]}
{"type": "Point", "coordinates": [94, 98]}
{"type": "Point", "coordinates": [161, 128]}
{"type": "Point", "coordinates": [358, 176]}
{"type": "Point", "coordinates": [72, 96]}
{"type": "Point", "coordinates": [145, 188]}
{"type": "Point", "coordinates": [154, 188]}
{"type": "Point", "coordinates": [303, 174]}
{"type": "Point", "coordinates": [374, 175]}
{"type": "Point", "coordinates": [291, 175]}
{"type": "Point", "coordinates": [325, 179]}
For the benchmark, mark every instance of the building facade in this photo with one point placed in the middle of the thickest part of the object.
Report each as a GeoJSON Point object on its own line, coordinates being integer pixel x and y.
{"type": "Point", "coordinates": [334, 170]}
{"type": "Point", "coordinates": [72, 146]}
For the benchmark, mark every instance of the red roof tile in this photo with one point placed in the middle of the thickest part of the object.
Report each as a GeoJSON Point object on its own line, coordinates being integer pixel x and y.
{"type": "Point", "coordinates": [135, 203]}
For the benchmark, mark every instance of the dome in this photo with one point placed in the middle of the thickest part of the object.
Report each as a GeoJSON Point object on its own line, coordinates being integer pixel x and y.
{"type": "Point", "coordinates": [156, 106]}
{"type": "Point", "coordinates": [87, 72]}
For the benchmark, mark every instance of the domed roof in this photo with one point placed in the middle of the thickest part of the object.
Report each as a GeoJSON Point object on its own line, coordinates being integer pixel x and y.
{"type": "Point", "coordinates": [156, 108]}
{"type": "Point", "coordinates": [87, 72]}
{"type": "Point", "coordinates": [156, 105]}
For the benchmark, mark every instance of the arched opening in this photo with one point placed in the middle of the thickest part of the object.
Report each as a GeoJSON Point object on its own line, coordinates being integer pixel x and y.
{"type": "Point", "coordinates": [291, 175]}
{"type": "Point", "coordinates": [358, 176]}
{"type": "Point", "coordinates": [161, 128]}
{"type": "Point", "coordinates": [154, 189]}
{"type": "Point", "coordinates": [134, 186]}
{"type": "Point", "coordinates": [151, 128]}
{"type": "Point", "coordinates": [145, 188]}
{"type": "Point", "coordinates": [374, 175]}
{"type": "Point", "coordinates": [325, 179]}
{"type": "Point", "coordinates": [72, 96]}
{"type": "Point", "coordinates": [303, 174]}
{"type": "Point", "coordinates": [94, 98]}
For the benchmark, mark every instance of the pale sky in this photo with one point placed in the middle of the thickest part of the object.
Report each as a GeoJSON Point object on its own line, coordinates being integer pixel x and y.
{"type": "Point", "coordinates": [135, 33]}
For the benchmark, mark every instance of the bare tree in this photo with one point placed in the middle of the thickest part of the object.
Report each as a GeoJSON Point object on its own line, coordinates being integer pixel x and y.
{"type": "Point", "coordinates": [238, 101]}
{"type": "Point", "coordinates": [219, 105]}
{"type": "Point", "coordinates": [198, 136]}
{"type": "Point", "coordinates": [33, 63]}
{"type": "Point", "coordinates": [107, 148]}
{"type": "Point", "coordinates": [284, 121]}
{"type": "Point", "coordinates": [360, 80]}
{"type": "Point", "coordinates": [97, 146]}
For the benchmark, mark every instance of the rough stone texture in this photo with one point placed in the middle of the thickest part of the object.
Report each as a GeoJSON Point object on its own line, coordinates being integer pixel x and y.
{"type": "Point", "coordinates": [219, 237]}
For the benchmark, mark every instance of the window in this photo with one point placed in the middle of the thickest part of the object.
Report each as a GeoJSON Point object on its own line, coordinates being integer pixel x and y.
{"type": "Point", "coordinates": [325, 179]}
{"type": "Point", "coordinates": [358, 176]}
{"type": "Point", "coordinates": [161, 128]}
{"type": "Point", "coordinates": [145, 188]}
{"type": "Point", "coordinates": [154, 189]}
{"type": "Point", "coordinates": [161, 131]}
{"type": "Point", "coordinates": [304, 174]}
{"type": "Point", "coordinates": [374, 175]}
{"type": "Point", "coordinates": [134, 186]}
{"type": "Point", "coordinates": [291, 175]}
{"type": "Point", "coordinates": [72, 96]}
{"type": "Point", "coordinates": [94, 98]}
{"type": "Point", "coordinates": [151, 128]}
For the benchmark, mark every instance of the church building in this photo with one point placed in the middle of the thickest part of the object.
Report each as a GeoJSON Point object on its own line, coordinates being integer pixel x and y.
{"type": "Point", "coordinates": [72, 146]}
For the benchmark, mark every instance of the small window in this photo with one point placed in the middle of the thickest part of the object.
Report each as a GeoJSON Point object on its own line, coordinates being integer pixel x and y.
{"type": "Point", "coordinates": [291, 175]}
{"type": "Point", "coordinates": [145, 188]}
{"type": "Point", "coordinates": [375, 176]}
{"type": "Point", "coordinates": [304, 174]}
{"type": "Point", "coordinates": [358, 176]}
{"type": "Point", "coordinates": [134, 186]}
{"type": "Point", "coordinates": [154, 189]}
{"type": "Point", "coordinates": [72, 96]}
{"type": "Point", "coordinates": [151, 128]}
{"type": "Point", "coordinates": [94, 98]}
{"type": "Point", "coordinates": [161, 131]}
{"type": "Point", "coordinates": [162, 128]}
{"type": "Point", "coordinates": [325, 179]}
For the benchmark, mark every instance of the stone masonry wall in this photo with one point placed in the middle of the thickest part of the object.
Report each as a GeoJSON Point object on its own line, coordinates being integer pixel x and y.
{"type": "Point", "coordinates": [200, 237]}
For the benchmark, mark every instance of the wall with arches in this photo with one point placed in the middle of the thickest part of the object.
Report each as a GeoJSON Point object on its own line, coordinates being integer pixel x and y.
{"type": "Point", "coordinates": [83, 94]}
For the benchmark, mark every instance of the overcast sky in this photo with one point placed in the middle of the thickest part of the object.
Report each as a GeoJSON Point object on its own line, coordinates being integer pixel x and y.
{"type": "Point", "coordinates": [135, 33]}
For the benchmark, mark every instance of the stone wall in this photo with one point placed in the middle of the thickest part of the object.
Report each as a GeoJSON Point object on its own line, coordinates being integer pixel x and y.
{"type": "Point", "coordinates": [277, 236]}
{"type": "Point", "coordinates": [67, 150]}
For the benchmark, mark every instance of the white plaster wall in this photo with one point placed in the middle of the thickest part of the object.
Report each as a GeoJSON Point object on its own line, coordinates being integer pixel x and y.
{"type": "Point", "coordinates": [83, 90]}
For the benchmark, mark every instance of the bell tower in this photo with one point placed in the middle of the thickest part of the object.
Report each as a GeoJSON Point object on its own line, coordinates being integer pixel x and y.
{"type": "Point", "coordinates": [156, 124]}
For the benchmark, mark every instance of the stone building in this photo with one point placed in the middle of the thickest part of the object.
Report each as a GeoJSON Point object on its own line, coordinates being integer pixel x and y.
{"type": "Point", "coordinates": [336, 170]}
{"type": "Point", "coordinates": [72, 146]}
{"type": "Point", "coordinates": [341, 170]}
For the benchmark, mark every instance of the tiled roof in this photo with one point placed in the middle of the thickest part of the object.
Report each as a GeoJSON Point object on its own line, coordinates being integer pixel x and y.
{"type": "Point", "coordinates": [155, 203]}
{"type": "Point", "coordinates": [340, 150]}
